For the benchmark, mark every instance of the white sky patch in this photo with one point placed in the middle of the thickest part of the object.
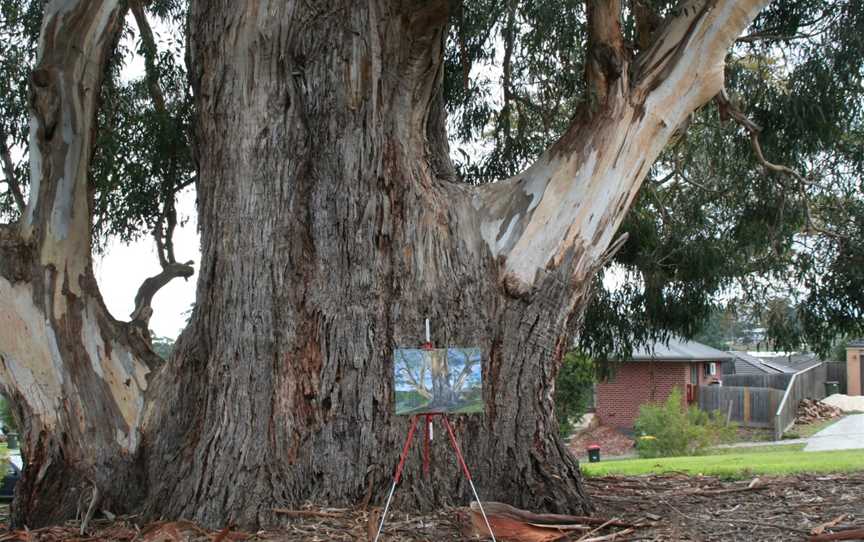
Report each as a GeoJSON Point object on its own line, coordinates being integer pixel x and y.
{"type": "Point", "coordinates": [123, 267]}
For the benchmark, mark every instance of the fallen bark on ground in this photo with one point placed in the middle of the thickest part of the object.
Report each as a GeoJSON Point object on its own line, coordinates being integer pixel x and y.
{"type": "Point", "coordinates": [664, 508]}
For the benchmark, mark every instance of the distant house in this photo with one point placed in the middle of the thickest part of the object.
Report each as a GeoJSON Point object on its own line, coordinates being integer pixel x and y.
{"type": "Point", "coordinates": [758, 363]}
{"type": "Point", "coordinates": [650, 375]}
{"type": "Point", "coordinates": [855, 367]}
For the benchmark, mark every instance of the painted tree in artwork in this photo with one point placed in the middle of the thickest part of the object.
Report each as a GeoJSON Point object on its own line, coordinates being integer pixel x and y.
{"type": "Point", "coordinates": [333, 220]}
{"type": "Point", "coordinates": [411, 371]}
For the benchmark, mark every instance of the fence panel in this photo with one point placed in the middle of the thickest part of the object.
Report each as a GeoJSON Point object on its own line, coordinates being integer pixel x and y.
{"type": "Point", "coordinates": [806, 384]}
{"type": "Point", "coordinates": [836, 372]}
{"type": "Point", "coordinates": [749, 407]}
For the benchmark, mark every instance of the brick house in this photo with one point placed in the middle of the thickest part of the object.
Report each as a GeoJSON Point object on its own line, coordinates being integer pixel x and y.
{"type": "Point", "coordinates": [855, 367]}
{"type": "Point", "coordinates": [651, 374]}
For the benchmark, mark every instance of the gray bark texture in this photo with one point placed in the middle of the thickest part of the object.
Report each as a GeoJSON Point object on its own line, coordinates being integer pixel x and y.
{"type": "Point", "coordinates": [318, 188]}
{"type": "Point", "coordinates": [330, 228]}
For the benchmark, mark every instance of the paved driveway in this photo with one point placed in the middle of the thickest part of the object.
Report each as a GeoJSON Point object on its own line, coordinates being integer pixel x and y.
{"type": "Point", "coordinates": [847, 434]}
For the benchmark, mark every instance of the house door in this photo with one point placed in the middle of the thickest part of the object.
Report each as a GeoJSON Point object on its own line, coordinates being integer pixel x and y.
{"type": "Point", "coordinates": [693, 386]}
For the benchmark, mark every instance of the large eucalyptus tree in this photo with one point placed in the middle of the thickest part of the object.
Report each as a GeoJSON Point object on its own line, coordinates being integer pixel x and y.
{"type": "Point", "coordinates": [332, 224]}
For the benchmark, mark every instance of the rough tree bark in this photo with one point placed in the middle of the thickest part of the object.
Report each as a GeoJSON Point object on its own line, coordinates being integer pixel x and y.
{"type": "Point", "coordinates": [329, 230]}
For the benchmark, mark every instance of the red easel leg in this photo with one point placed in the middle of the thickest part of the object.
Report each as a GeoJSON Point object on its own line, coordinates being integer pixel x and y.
{"type": "Point", "coordinates": [405, 450]}
{"type": "Point", "coordinates": [456, 448]}
{"type": "Point", "coordinates": [426, 444]}
{"type": "Point", "coordinates": [467, 472]}
{"type": "Point", "coordinates": [398, 474]}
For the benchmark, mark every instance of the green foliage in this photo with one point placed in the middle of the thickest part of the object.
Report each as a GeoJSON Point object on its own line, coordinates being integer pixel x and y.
{"type": "Point", "coordinates": [6, 417]}
{"type": "Point", "coordinates": [673, 429]}
{"type": "Point", "coordinates": [838, 351]}
{"type": "Point", "coordinates": [143, 154]}
{"type": "Point", "coordinates": [574, 388]}
{"type": "Point", "coordinates": [19, 32]}
{"type": "Point", "coordinates": [163, 346]}
{"type": "Point", "coordinates": [710, 222]}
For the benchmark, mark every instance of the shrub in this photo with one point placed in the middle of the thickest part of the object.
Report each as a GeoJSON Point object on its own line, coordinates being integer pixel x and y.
{"type": "Point", "coordinates": [6, 418]}
{"type": "Point", "coordinates": [673, 429]}
{"type": "Point", "coordinates": [573, 390]}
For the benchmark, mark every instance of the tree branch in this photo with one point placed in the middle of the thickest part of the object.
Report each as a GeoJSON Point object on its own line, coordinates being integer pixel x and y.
{"type": "Point", "coordinates": [163, 232]}
{"type": "Point", "coordinates": [417, 383]}
{"type": "Point", "coordinates": [148, 44]}
{"type": "Point", "coordinates": [64, 97]}
{"type": "Point", "coordinates": [729, 110]}
{"type": "Point", "coordinates": [693, 42]}
{"type": "Point", "coordinates": [144, 298]}
{"type": "Point", "coordinates": [507, 70]}
{"type": "Point", "coordinates": [647, 23]}
{"type": "Point", "coordinates": [9, 173]}
{"type": "Point", "coordinates": [606, 59]}
{"type": "Point", "coordinates": [567, 206]}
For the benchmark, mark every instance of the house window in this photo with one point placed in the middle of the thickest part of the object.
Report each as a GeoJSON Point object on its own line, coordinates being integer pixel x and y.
{"type": "Point", "coordinates": [711, 369]}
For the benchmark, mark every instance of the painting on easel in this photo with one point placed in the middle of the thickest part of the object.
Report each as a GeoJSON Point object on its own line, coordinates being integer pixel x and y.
{"type": "Point", "coordinates": [447, 380]}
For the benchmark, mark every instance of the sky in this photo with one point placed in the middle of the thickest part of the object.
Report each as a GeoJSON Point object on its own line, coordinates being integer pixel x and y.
{"type": "Point", "coordinates": [122, 269]}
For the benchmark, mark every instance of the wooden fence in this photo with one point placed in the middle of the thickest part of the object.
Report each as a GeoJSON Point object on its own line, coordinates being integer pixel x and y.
{"type": "Point", "coordinates": [775, 381]}
{"type": "Point", "coordinates": [836, 372]}
{"type": "Point", "coordinates": [750, 407]}
{"type": "Point", "coordinates": [806, 384]}
{"type": "Point", "coordinates": [766, 401]}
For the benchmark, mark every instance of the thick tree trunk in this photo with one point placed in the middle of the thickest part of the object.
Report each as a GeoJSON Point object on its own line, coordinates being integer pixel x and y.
{"type": "Point", "coordinates": [76, 376]}
{"type": "Point", "coordinates": [330, 230]}
{"type": "Point", "coordinates": [319, 187]}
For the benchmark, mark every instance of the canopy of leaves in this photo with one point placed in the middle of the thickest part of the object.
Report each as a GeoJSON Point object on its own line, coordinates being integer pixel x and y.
{"type": "Point", "coordinates": [712, 223]}
{"type": "Point", "coordinates": [19, 30]}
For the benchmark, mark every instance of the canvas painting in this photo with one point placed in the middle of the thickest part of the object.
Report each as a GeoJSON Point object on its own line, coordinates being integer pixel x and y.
{"type": "Point", "coordinates": [438, 380]}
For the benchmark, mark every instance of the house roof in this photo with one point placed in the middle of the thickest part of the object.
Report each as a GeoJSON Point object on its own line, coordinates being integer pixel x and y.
{"type": "Point", "coordinates": [787, 362]}
{"type": "Point", "coordinates": [679, 350]}
{"type": "Point", "coordinates": [745, 364]}
{"type": "Point", "coordinates": [773, 362]}
{"type": "Point", "coordinates": [856, 343]}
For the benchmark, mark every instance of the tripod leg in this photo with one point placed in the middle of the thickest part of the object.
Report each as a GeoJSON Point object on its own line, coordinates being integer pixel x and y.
{"type": "Point", "coordinates": [398, 474]}
{"type": "Point", "coordinates": [467, 473]}
{"type": "Point", "coordinates": [427, 439]}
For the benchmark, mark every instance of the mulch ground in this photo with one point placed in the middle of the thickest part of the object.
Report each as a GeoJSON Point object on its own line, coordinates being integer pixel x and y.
{"type": "Point", "coordinates": [611, 442]}
{"type": "Point", "coordinates": [706, 508]}
{"type": "Point", "coordinates": [667, 508]}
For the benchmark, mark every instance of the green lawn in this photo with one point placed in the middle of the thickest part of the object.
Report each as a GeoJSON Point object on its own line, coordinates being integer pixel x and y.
{"type": "Point", "coordinates": [740, 464]}
{"type": "Point", "coordinates": [757, 449]}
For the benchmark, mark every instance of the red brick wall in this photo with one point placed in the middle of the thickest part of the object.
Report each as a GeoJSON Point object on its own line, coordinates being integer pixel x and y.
{"type": "Point", "coordinates": [636, 383]}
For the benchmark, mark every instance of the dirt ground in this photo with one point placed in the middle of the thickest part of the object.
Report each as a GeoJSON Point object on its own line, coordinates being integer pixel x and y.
{"type": "Point", "coordinates": [612, 442]}
{"type": "Point", "coordinates": [667, 508]}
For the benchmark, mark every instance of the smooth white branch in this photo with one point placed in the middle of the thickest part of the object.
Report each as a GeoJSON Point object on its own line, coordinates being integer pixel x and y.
{"type": "Point", "coordinates": [570, 202]}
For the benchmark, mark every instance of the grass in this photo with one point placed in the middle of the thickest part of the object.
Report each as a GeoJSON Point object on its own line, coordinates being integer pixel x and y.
{"type": "Point", "coordinates": [740, 464]}
{"type": "Point", "coordinates": [809, 429]}
{"type": "Point", "coordinates": [757, 449]}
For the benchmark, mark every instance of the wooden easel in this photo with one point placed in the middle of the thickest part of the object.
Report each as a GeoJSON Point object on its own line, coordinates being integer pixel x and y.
{"type": "Point", "coordinates": [427, 439]}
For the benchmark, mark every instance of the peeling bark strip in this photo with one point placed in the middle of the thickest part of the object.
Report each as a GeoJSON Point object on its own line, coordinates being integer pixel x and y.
{"type": "Point", "coordinates": [328, 236]}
